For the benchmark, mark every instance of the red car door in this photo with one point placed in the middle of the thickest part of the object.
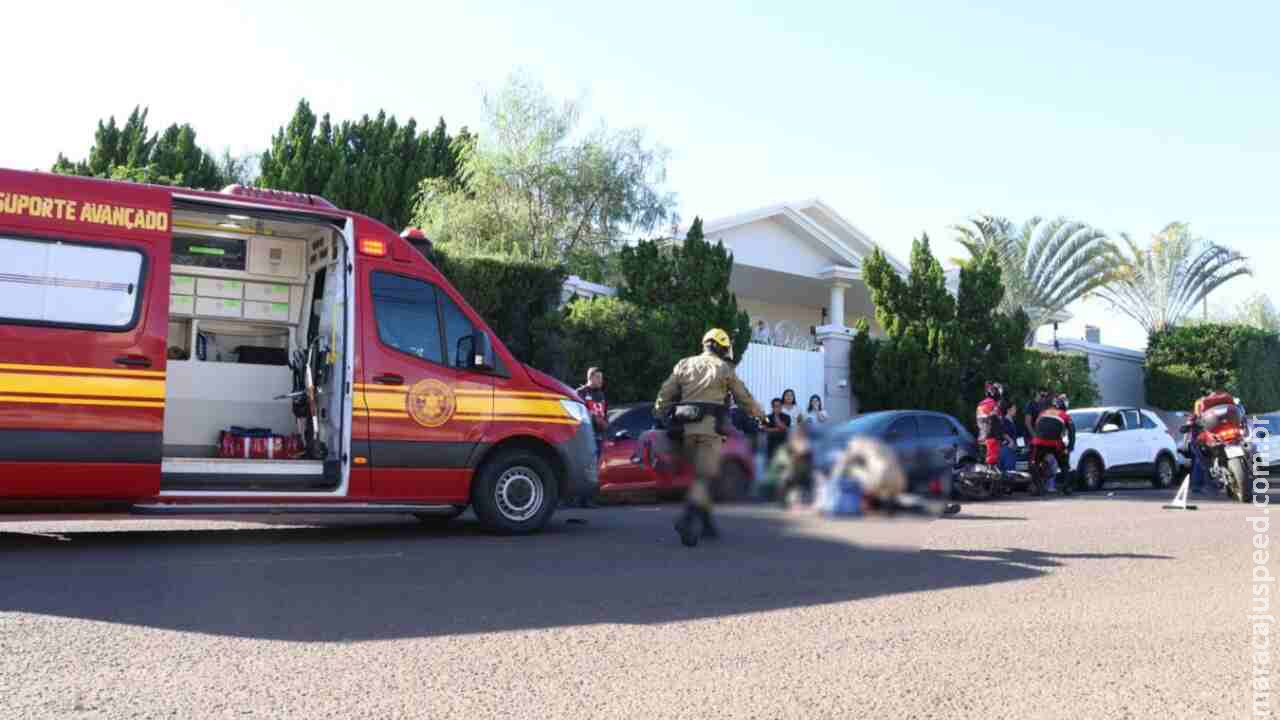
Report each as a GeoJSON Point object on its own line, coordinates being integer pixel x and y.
{"type": "Point", "coordinates": [621, 445]}
{"type": "Point", "coordinates": [84, 299]}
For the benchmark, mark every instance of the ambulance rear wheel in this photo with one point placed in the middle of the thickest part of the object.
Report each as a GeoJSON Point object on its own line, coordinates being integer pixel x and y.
{"type": "Point", "coordinates": [515, 492]}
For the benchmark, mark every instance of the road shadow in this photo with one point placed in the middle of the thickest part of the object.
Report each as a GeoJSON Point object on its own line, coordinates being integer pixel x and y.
{"type": "Point", "coordinates": [394, 580]}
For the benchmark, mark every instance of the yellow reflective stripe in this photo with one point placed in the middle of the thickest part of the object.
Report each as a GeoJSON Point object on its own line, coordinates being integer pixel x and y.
{"type": "Point", "coordinates": [526, 406]}
{"type": "Point", "coordinates": [69, 385]}
{"type": "Point", "coordinates": [482, 418]}
{"type": "Point", "coordinates": [390, 389]}
{"type": "Point", "coordinates": [402, 389]}
{"type": "Point", "coordinates": [78, 401]}
{"type": "Point", "coordinates": [524, 419]}
{"type": "Point", "coordinates": [80, 370]}
{"type": "Point", "coordinates": [465, 403]}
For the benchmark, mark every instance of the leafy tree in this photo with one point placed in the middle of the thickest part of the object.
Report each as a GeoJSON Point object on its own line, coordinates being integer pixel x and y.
{"type": "Point", "coordinates": [1257, 311]}
{"type": "Point", "coordinates": [1046, 264]}
{"type": "Point", "coordinates": [171, 157]}
{"type": "Point", "coordinates": [937, 349]}
{"type": "Point", "coordinates": [536, 186]}
{"type": "Point", "coordinates": [1162, 284]}
{"type": "Point", "coordinates": [372, 166]}
{"type": "Point", "coordinates": [630, 341]}
{"type": "Point", "coordinates": [691, 281]}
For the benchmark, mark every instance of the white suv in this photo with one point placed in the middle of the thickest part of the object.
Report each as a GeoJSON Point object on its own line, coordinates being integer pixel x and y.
{"type": "Point", "coordinates": [1116, 441]}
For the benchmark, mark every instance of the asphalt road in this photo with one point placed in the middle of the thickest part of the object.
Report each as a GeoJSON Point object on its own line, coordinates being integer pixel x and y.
{"type": "Point", "coordinates": [1093, 607]}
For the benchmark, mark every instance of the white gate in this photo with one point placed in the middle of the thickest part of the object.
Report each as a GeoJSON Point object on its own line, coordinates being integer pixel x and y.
{"type": "Point", "coordinates": [767, 370]}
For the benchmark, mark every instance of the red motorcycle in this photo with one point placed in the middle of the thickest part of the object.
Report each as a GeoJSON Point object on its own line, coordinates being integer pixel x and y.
{"type": "Point", "coordinates": [1224, 444]}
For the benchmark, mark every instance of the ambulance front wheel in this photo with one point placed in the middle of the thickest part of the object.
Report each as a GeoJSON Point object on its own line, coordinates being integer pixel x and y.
{"type": "Point", "coordinates": [515, 492]}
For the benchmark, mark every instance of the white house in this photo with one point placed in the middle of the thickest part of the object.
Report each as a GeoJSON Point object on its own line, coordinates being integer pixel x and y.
{"type": "Point", "coordinates": [1119, 373]}
{"type": "Point", "coordinates": [798, 271]}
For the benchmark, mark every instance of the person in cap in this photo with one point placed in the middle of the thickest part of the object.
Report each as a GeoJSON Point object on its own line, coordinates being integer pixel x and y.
{"type": "Point", "coordinates": [691, 403]}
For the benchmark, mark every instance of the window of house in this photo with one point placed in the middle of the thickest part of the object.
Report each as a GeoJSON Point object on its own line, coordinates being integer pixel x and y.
{"type": "Point", "coordinates": [69, 284]}
{"type": "Point", "coordinates": [407, 315]}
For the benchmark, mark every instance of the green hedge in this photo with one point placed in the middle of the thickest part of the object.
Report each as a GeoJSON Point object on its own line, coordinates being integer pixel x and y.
{"type": "Point", "coordinates": [895, 373]}
{"type": "Point", "coordinates": [1059, 372]}
{"type": "Point", "coordinates": [1187, 362]}
{"type": "Point", "coordinates": [520, 300]}
{"type": "Point", "coordinates": [630, 343]}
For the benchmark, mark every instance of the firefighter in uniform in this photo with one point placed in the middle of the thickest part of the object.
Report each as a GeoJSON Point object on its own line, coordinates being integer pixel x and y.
{"type": "Point", "coordinates": [692, 401]}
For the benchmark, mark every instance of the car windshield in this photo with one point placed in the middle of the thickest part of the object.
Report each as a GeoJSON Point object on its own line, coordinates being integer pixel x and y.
{"type": "Point", "coordinates": [1084, 421]}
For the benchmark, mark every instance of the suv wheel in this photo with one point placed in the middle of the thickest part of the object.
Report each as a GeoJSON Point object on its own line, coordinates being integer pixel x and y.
{"type": "Point", "coordinates": [1164, 472]}
{"type": "Point", "coordinates": [1093, 473]}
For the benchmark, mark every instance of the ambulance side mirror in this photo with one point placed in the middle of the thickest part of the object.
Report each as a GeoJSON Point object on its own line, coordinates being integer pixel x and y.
{"type": "Point", "coordinates": [481, 350]}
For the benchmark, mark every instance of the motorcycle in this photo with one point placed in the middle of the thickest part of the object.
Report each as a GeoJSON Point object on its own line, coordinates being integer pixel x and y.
{"type": "Point", "coordinates": [979, 481]}
{"type": "Point", "coordinates": [1225, 449]}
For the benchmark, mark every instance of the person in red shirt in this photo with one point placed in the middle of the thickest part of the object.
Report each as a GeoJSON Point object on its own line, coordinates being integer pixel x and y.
{"type": "Point", "coordinates": [990, 424]}
{"type": "Point", "coordinates": [1051, 426]}
{"type": "Point", "coordinates": [592, 395]}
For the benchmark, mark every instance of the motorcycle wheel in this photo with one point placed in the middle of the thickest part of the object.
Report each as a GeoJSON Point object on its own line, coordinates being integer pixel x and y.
{"type": "Point", "coordinates": [1241, 484]}
{"type": "Point", "coordinates": [972, 484]}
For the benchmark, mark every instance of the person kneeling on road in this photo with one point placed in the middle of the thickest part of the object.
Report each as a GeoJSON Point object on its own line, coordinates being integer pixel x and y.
{"type": "Point", "coordinates": [1051, 426]}
{"type": "Point", "coordinates": [790, 473]}
{"type": "Point", "coordinates": [880, 480]}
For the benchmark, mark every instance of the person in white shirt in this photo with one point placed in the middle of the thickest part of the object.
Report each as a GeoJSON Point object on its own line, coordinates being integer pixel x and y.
{"type": "Point", "coordinates": [814, 414]}
{"type": "Point", "coordinates": [789, 406]}
{"type": "Point", "coordinates": [762, 334]}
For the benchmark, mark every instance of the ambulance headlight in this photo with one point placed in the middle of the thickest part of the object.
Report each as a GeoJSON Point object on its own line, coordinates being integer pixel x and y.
{"type": "Point", "coordinates": [576, 410]}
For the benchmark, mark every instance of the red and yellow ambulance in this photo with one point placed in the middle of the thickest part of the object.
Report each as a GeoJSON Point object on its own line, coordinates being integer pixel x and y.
{"type": "Point", "coordinates": [140, 325]}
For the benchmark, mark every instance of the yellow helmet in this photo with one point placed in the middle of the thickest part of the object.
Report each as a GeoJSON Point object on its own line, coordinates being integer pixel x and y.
{"type": "Point", "coordinates": [721, 339]}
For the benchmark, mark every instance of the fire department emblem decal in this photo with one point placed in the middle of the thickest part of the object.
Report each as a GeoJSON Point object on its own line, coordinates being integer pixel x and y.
{"type": "Point", "coordinates": [430, 403]}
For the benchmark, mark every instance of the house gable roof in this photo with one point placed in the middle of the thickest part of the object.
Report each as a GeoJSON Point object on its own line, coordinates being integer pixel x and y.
{"type": "Point", "coordinates": [816, 222]}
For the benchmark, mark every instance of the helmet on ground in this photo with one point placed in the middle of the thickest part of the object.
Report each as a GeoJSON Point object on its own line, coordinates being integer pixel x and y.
{"type": "Point", "coordinates": [1060, 402]}
{"type": "Point", "coordinates": [720, 340]}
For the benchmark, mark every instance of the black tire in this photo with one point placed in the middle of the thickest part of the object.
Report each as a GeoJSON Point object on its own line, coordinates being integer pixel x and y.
{"type": "Point", "coordinates": [1165, 472]}
{"type": "Point", "coordinates": [515, 492]}
{"type": "Point", "coordinates": [1242, 478]}
{"type": "Point", "coordinates": [441, 518]}
{"type": "Point", "coordinates": [1092, 473]}
{"type": "Point", "coordinates": [734, 484]}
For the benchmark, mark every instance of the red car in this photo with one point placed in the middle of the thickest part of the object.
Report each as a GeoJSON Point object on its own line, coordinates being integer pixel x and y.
{"type": "Point", "coordinates": [625, 467]}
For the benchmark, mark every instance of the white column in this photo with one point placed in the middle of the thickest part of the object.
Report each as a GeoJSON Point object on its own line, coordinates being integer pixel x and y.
{"type": "Point", "coordinates": [835, 313]}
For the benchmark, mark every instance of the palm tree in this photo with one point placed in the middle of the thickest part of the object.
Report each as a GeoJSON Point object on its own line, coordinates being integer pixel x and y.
{"type": "Point", "coordinates": [1161, 285]}
{"type": "Point", "coordinates": [1046, 264]}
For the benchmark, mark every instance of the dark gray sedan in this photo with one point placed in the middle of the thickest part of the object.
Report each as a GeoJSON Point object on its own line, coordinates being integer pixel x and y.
{"type": "Point", "coordinates": [928, 444]}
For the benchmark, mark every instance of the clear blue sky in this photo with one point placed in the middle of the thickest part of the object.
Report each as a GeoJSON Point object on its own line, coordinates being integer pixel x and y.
{"type": "Point", "coordinates": [905, 117]}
